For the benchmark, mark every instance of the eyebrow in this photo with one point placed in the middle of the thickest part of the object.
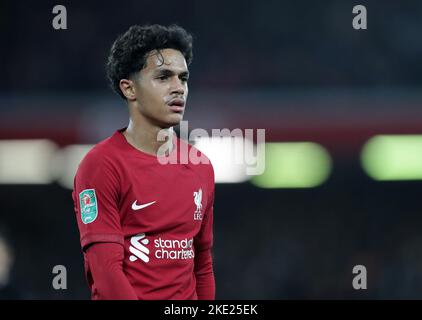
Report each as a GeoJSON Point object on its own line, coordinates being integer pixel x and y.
{"type": "Point", "coordinates": [168, 72]}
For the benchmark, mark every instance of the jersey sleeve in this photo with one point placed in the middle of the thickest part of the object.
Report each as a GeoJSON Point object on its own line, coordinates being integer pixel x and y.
{"type": "Point", "coordinates": [96, 198]}
{"type": "Point", "coordinates": [109, 282]}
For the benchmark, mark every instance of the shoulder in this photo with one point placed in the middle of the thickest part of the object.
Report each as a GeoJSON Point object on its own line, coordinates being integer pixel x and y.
{"type": "Point", "coordinates": [101, 157]}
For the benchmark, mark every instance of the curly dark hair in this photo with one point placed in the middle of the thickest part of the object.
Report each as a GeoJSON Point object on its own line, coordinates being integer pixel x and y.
{"type": "Point", "coordinates": [129, 52]}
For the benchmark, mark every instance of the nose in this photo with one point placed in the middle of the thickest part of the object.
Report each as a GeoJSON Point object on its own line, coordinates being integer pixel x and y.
{"type": "Point", "coordinates": [178, 87]}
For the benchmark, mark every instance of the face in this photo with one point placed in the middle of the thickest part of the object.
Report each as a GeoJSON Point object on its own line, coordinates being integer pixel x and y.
{"type": "Point", "coordinates": [161, 88]}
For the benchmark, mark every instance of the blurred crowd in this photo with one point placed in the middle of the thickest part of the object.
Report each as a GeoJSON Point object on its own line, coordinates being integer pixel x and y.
{"type": "Point", "coordinates": [237, 44]}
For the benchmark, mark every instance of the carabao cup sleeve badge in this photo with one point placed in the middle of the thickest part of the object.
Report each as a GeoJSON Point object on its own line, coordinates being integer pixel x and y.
{"type": "Point", "coordinates": [88, 205]}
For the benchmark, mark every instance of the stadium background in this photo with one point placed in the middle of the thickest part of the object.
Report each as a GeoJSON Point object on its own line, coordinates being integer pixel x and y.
{"type": "Point", "coordinates": [297, 69]}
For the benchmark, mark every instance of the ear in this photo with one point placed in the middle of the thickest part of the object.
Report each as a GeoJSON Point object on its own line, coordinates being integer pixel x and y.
{"type": "Point", "coordinates": [128, 89]}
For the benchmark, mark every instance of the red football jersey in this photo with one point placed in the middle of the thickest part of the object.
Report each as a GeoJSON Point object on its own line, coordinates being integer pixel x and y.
{"type": "Point", "coordinates": [161, 213]}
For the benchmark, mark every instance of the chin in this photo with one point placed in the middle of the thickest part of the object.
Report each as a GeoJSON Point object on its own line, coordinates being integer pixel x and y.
{"type": "Point", "coordinates": [173, 120]}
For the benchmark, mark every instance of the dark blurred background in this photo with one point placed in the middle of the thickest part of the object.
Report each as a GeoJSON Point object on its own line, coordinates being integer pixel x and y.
{"type": "Point", "coordinates": [295, 68]}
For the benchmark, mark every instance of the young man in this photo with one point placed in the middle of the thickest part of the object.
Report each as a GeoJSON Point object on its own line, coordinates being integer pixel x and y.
{"type": "Point", "coordinates": [146, 227]}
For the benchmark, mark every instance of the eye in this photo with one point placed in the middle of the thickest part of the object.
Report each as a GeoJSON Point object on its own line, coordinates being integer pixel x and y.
{"type": "Point", "coordinates": [184, 79]}
{"type": "Point", "coordinates": [162, 78]}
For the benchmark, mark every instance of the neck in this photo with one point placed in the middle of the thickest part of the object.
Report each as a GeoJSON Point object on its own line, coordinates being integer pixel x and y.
{"type": "Point", "coordinates": [146, 137]}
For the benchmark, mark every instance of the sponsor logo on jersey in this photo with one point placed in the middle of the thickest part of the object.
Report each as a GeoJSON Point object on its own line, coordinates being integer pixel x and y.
{"type": "Point", "coordinates": [88, 205]}
{"type": "Point", "coordinates": [197, 199]}
{"type": "Point", "coordinates": [164, 248]}
{"type": "Point", "coordinates": [138, 248]}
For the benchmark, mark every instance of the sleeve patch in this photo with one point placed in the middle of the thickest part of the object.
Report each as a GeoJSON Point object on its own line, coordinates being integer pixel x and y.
{"type": "Point", "coordinates": [88, 205]}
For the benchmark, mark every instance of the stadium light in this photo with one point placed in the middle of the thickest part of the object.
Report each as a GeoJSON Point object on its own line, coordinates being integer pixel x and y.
{"type": "Point", "coordinates": [227, 155]}
{"type": "Point", "coordinates": [393, 157]}
{"type": "Point", "coordinates": [67, 161]}
{"type": "Point", "coordinates": [294, 165]}
{"type": "Point", "coordinates": [26, 161]}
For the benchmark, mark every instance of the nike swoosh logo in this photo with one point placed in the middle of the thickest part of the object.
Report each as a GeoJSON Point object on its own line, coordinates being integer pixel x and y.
{"type": "Point", "coordinates": [141, 206]}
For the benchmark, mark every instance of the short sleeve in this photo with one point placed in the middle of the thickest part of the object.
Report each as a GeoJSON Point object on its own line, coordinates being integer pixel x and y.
{"type": "Point", "coordinates": [96, 198]}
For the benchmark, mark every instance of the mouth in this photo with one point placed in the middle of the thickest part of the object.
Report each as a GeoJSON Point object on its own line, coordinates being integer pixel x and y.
{"type": "Point", "coordinates": [176, 105]}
